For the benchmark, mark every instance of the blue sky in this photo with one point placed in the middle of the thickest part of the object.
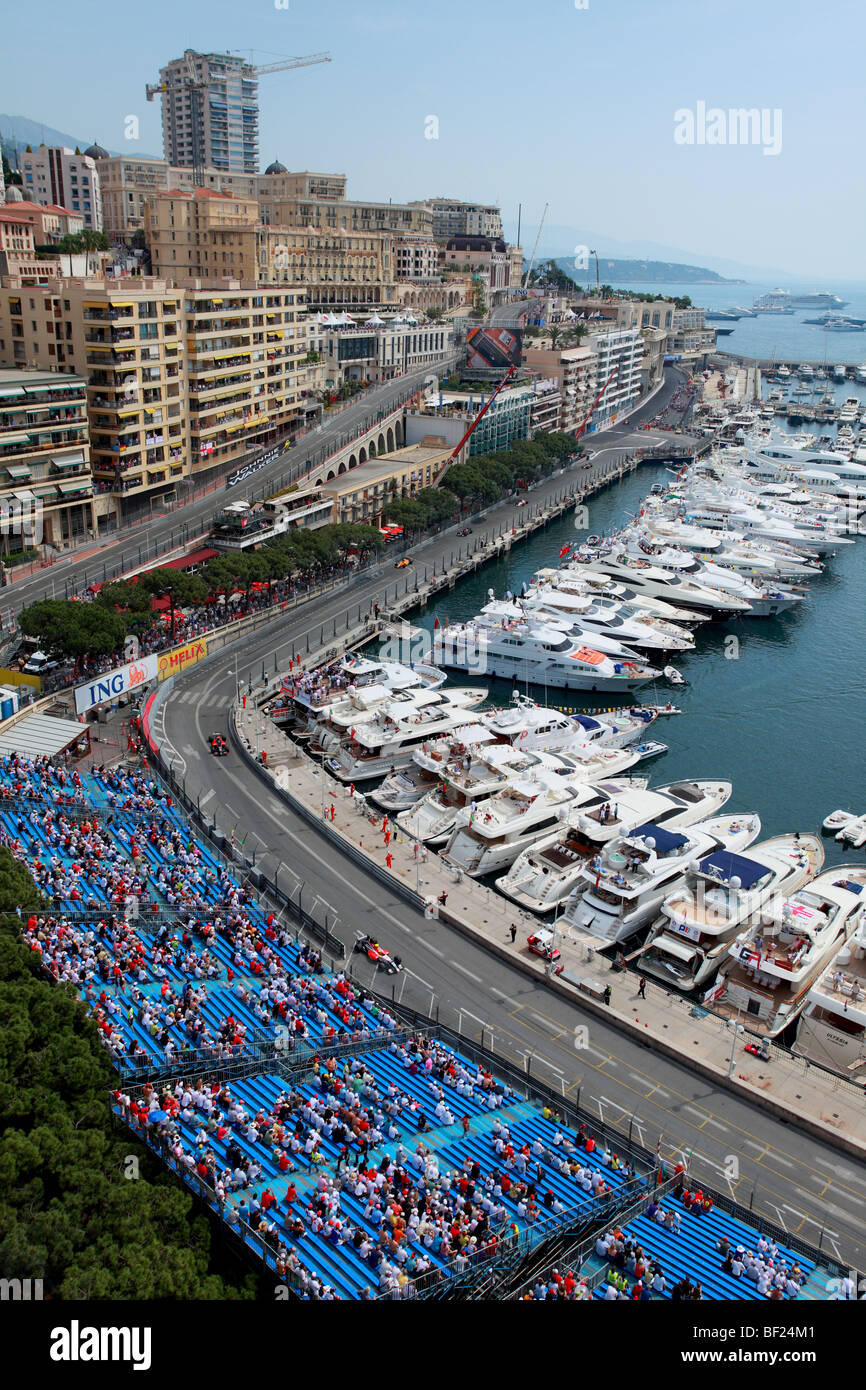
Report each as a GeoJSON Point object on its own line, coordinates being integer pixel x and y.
{"type": "Point", "coordinates": [536, 102]}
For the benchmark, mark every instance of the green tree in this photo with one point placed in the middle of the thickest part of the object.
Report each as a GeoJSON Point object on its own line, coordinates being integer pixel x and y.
{"type": "Point", "coordinates": [70, 631]}
{"type": "Point", "coordinates": [181, 590]}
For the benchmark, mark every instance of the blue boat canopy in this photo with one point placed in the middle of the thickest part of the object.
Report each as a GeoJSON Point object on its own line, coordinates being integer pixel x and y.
{"type": "Point", "coordinates": [666, 840]}
{"type": "Point", "coordinates": [849, 885]}
{"type": "Point", "coordinates": [724, 865]}
{"type": "Point", "coordinates": [587, 723]}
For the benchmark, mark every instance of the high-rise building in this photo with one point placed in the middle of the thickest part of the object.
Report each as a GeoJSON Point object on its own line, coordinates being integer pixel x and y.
{"type": "Point", "coordinates": [46, 488]}
{"type": "Point", "coordinates": [55, 175]}
{"type": "Point", "coordinates": [454, 218]}
{"type": "Point", "coordinates": [210, 112]}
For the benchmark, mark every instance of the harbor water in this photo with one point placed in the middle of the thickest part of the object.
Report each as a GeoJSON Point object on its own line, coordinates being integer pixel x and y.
{"type": "Point", "coordinates": [774, 711]}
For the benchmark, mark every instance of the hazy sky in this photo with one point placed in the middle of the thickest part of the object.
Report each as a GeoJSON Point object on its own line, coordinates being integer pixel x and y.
{"type": "Point", "coordinates": [535, 102]}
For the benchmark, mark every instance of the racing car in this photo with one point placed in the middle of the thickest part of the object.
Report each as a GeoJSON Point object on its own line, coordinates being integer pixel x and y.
{"type": "Point", "coordinates": [217, 745]}
{"type": "Point", "coordinates": [365, 945]}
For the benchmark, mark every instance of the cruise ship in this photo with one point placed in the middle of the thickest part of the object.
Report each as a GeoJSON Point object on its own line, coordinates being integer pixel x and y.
{"type": "Point", "coordinates": [770, 968]}
{"type": "Point", "coordinates": [521, 650]}
{"type": "Point", "coordinates": [594, 848]}
{"type": "Point", "coordinates": [721, 892]}
{"type": "Point", "coordinates": [832, 1027]}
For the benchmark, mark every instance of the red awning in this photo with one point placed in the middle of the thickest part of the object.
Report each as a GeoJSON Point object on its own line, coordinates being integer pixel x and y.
{"type": "Point", "coordinates": [197, 557]}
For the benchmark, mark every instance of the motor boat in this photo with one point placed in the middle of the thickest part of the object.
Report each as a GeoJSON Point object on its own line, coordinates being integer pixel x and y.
{"type": "Point", "coordinates": [837, 819]}
{"type": "Point", "coordinates": [373, 748]}
{"type": "Point", "coordinates": [719, 894]}
{"type": "Point", "coordinates": [521, 650]}
{"type": "Point", "coordinates": [649, 579]}
{"type": "Point", "coordinates": [587, 850]}
{"type": "Point", "coordinates": [832, 1026]}
{"type": "Point", "coordinates": [515, 818]}
{"type": "Point", "coordinates": [624, 623]}
{"type": "Point", "coordinates": [771, 966]}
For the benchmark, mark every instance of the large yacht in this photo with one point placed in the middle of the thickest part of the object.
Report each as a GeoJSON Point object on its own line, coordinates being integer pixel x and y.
{"type": "Point", "coordinates": [371, 749]}
{"type": "Point", "coordinates": [771, 966]}
{"type": "Point", "coordinates": [832, 1027]}
{"type": "Point", "coordinates": [521, 650]}
{"type": "Point", "coordinates": [620, 622]}
{"type": "Point", "coordinates": [515, 818]}
{"type": "Point", "coordinates": [309, 696]}
{"type": "Point", "coordinates": [698, 922]}
{"type": "Point", "coordinates": [575, 578]}
{"type": "Point", "coordinates": [763, 600]}
{"type": "Point", "coordinates": [466, 784]}
{"type": "Point", "coordinates": [649, 579]}
{"type": "Point", "coordinates": [567, 862]}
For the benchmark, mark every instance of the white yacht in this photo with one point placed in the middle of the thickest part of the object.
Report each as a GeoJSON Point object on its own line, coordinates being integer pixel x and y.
{"type": "Point", "coordinates": [625, 624]}
{"type": "Point", "coordinates": [840, 371]}
{"type": "Point", "coordinates": [369, 706]}
{"type": "Point", "coordinates": [721, 891]}
{"type": "Point", "coordinates": [646, 578]}
{"type": "Point", "coordinates": [466, 784]}
{"type": "Point", "coordinates": [521, 650]}
{"type": "Point", "coordinates": [389, 739]}
{"type": "Point", "coordinates": [499, 612]}
{"type": "Point", "coordinates": [832, 1027]}
{"type": "Point", "coordinates": [849, 411]}
{"type": "Point", "coordinates": [762, 600]}
{"type": "Point", "coordinates": [621, 891]}
{"type": "Point", "coordinates": [309, 696]}
{"type": "Point", "coordinates": [806, 371]}
{"type": "Point", "coordinates": [860, 372]}
{"type": "Point", "coordinates": [592, 848]}
{"type": "Point", "coordinates": [771, 967]}
{"type": "Point", "coordinates": [574, 578]}
{"type": "Point", "coordinates": [515, 818]}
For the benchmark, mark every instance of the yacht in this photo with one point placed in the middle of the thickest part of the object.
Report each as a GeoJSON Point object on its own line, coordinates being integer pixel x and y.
{"type": "Point", "coordinates": [783, 373]}
{"type": "Point", "coordinates": [771, 966]}
{"type": "Point", "coordinates": [762, 601]}
{"type": "Point", "coordinates": [849, 411]}
{"type": "Point", "coordinates": [521, 650]}
{"type": "Point", "coordinates": [309, 696]}
{"type": "Point", "coordinates": [698, 921]}
{"type": "Point", "coordinates": [595, 622]}
{"type": "Point", "coordinates": [367, 706]}
{"type": "Point", "coordinates": [806, 371]}
{"type": "Point", "coordinates": [832, 1027]}
{"type": "Point", "coordinates": [389, 739]}
{"type": "Point", "coordinates": [860, 372]}
{"type": "Point", "coordinates": [573, 578]}
{"type": "Point", "coordinates": [406, 785]}
{"type": "Point", "coordinates": [648, 579]}
{"type": "Point", "coordinates": [467, 783]}
{"type": "Point", "coordinates": [592, 858]}
{"type": "Point", "coordinates": [497, 613]}
{"type": "Point", "coordinates": [840, 372]}
{"type": "Point", "coordinates": [515, 818]}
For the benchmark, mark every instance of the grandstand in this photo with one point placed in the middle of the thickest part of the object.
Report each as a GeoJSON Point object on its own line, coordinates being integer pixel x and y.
{"type": "Point", "coordinates": [356, 1149]}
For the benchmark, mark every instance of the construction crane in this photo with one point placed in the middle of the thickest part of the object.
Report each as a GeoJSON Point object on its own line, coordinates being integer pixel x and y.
{"type": "Point", "coordinates": [535, 248]}
{"type": "Point", "coordinates": [455, 452]}
{"type": "Point", "coordinates": [198, 85]}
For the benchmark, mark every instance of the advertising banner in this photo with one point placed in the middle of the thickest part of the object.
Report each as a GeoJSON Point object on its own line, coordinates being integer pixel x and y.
{"type": "Point", "coordinates": [179, 658]}
{"type": "Point", "coordinates": [120, 681]}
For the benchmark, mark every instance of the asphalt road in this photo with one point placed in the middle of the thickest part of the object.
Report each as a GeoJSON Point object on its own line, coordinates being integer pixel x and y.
{"type": "Point", "coordinates": [804, 1185]}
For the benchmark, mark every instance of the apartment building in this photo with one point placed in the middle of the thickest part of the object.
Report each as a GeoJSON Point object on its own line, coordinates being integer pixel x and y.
{"type": "Point", "coordinates": [341, 214]}
{"type": "Point", "coordinates": [572, 369]}
{"type": "Point", "coordinates": [18, 247]}
{"type": "Point", "coordinates": [341, 271]}
{"type": "Point", "coordinates": [128, 183]}
{"type": "Point", "coordinates": [486, 257]}
{"type": "Point", "coordinates": [46, 488]}
{"type": "Point", "coordinates": [213, 120]}
{"type": "Point", "coordinates": [545, 407]}
{"type": "Point", "coordinates": [452, 218]}
{"type": "Point", "coordinates": [617, 355]}
{"type": "Point", "coordinates": [689, 335]}
{"type": "Point", "coordinates": [60, 177]}
{"type": "Point", "coordinates": [180, 380]}
{"type": "Point", "coordinates": [201, 235]}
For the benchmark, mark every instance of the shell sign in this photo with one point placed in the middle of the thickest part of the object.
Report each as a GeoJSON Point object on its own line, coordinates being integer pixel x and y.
{"type": "Point", "coordinates": [174, 662]}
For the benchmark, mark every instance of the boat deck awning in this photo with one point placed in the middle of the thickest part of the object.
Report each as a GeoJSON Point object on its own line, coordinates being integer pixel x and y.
{"type": "Point", "coordinates": [673, 948]}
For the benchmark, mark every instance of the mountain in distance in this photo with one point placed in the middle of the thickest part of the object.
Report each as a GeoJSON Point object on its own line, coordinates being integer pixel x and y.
{"type": "Point", "coordinates": [559, 243]}
{"type": "Point", "coordinates": [21, 131]}
{"type": "Point", "coordinates": [619, 271]}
